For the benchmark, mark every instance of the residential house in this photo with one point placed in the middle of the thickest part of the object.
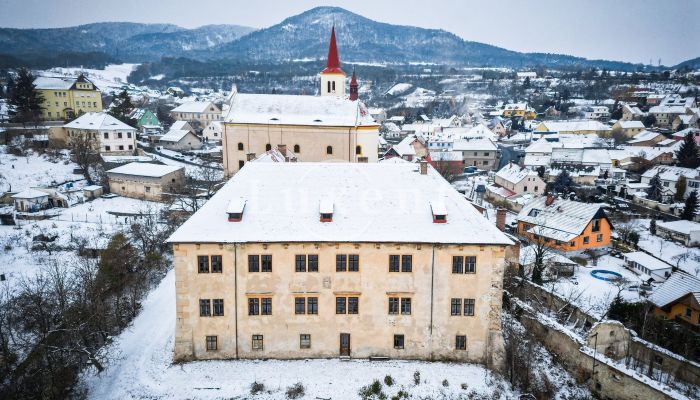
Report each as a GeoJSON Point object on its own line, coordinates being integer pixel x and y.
{"type": "Point", "coordinates": [646, 138]}
{"type": "Point", "coordinates": [519, 110]}
{"type": "Point", "coordinates": [144, 118]}
{"type": "Point", "coordinates": [631, 113]}
{"type": "Point", "coordinates": [106, 133]}
{"type": "Point", "coordinates": [671, 107]}
{"type": "Point", "coordinates": [678, 298]}
{"type": "Point", "coordinates": [576, 126]}
{"type": "Point", "coordinates": [669, 176]}
{"type": "Point", "coordinates": [685, 121]}
{"type": "Point", "coordinates": [146, 181]}
{"type": "Point", "coordinates": [481, 153]}
{"type": "Point", "coordinates": [520, 180]}
{"type": "Point", "coordinates": [647, 266]}
{"type": "Point", "coordinates": [31, 200]}
{"type": "Point", "coordinates": [564, 225]}
{"type": "Point", "coordinates": [180, 137]}
{"type": "Point", "coordinates": [214, 131]}
{"type": "Point", "coordinates": [686, 232]}
{"type": "Point", "coordinates": [338, 274]}
{"type": "Point", "coordinates": [66, 98]}
{"type": "Point", "coordinates": [409, 149]}
{"type": "Point", "coordinates": [446, 162]}
{"type": "Point", "coordinates": [595, 112]}
{"type": "Point", "coordinates": [198, 113]}
{"type": "Point", "coordinates": [629, 127]}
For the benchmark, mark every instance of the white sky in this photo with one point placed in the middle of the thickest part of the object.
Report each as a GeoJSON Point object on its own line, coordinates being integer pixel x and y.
{"type": "Point", "coordinates": [625, 30]}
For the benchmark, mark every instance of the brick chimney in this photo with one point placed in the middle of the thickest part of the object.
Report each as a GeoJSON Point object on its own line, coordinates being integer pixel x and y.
{"type": "Point", "coordinates": [424, 168]}
{"type": "Point", "coordinates": [501, 219]}
{"type": "Point", "coordinates": [550, 199]}
{"type": "Point", "coordinates": [250, 156]}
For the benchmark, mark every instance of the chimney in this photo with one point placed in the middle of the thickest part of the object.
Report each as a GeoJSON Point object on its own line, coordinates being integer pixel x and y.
{"type": "Point", "coordinates": [424, 168]}
{"type": "Point", "coordinates": [501, 219]}
{"type": "Point", "coordinates": [550, 199]}
{"type": "Point", "coordinates": [282, 149]}
{"type": "Point", "coordinates": [250, 156]}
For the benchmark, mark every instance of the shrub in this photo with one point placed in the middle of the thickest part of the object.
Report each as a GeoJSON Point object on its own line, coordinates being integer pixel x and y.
{"type": "Point", "coordinates": [416, 378]}
{"type": "Point", "coordinates": [295, 391]}
{"type": "Point", "coordinates": [445, 383]}
{"type": "Point", "coordinates": [464, 386]}
{"type": "Point", "coordinates": [401, 394]}
{"type": "Point", "coordinates": [257, 387]}
{"type": "Point", "coordinates": [388, 380]}
{"type": "Point", "coordinates": [373, 390]}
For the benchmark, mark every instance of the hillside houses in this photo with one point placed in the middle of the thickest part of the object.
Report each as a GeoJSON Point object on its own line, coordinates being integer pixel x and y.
{"type": "Point", "coordinates": [669, 176]}
{"type": "Point", "coordinates": [577, 127]}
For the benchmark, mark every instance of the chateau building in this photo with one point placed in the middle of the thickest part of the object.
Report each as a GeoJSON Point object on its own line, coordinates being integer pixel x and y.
{"type": "Point", "coordinates": [312, 260]}
{"type": "Point", "coordinates": [329, 127]}
{"type": "Point", "coordinates": [66, 98]}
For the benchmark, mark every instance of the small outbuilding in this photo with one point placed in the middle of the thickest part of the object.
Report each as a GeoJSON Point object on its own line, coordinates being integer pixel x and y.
{"type": "Point", "coordinates": [145, 181]}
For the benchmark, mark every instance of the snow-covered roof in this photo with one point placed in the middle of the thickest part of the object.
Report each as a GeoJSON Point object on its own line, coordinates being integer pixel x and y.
{"type": "Point", "coordinates": [145, 169]}
{"type": "Point", "coordinates": [647, 261]}
{"type": "Point", "coordinates": [575, 125]}
{"type": "Point", "coordinates": [236, 205]}
{"type": "Point", "coordinates": [679, 284]}
{"type": "Point", "coordinates": [30, 194]}
{"type": "Point", "coordinates": [541, 145]}
{"type": "Point", "coordinates": [372, 203]}
{"type": "Point", "coordinates": [644, 136]}
{"type": "Point", "coordinates": [562, 220]}
{"type": "Point", "coordinates": [631, 124]}
{"type": "Point", "coordinates": [405, 146]}
{"type": "Point", "coordinates": [671, 173]}
{"type": "Point", "coordinates": [278, 109]}
{"type": "Point", "coordinates": [101, 121]}
{"type": "Point", "coordinates": [500, 191]}
{"type": "Point", "coordinates": [514, 173]}
{"type": "Point", "coordinates": [50, 82]}
{"type": "Point", "coordinates": [174, 135]}
{"type": "Point", "coordinates": [681, 226]}
{"type": "Point", "coordinates": [470, 145]}
{"type": "Point", "coordinates": [196, 107]}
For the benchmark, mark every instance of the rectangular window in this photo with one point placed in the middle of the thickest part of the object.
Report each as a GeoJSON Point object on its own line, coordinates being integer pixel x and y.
{"type": "Point", "coordinates": [586, 240]}
{"type": "Point", "coordinates": [406, 263]}
{"type": "Point", "coordinates": [128, 135]}
{"type": "Point", "coordinates": [340, 305]}
{"type": "Point", "coordinates": [258, 342]}
{"type": "Point", "coordinates": [341, 263]}
{"type": "Point", "coordinates": [406, 306]}
{"type": "Point", "coordinates": [299, 305]}
{"type": "Point", "coordinates": [470, 264]}
{"type": "Point", "coordinates": [300, 263]}
{"type": "Point", "coordinates": [204, 307]}
{"type": "Point", "coordinates": [460, 342]}
{"type": "Point", "coordinates": [398, 342]}
{"type": "Point", "coordinates": [353, 262]}
{"type": "Point", "coordinates": [218, 307]}
{"type": "Point", "coordinates": [393, 305]}
{"type": "Point", "coordinates": [353, 305]}
{"type": "Point", "coordinates": [595, 225]}
{"type": "Point", "coordinates": [394, 263]}
{"type": "Point", "coordinates": [253, 306]}
{"type": "Point", "coordinates": [216, 264]}
{"type": "Point", "coordinates": [105, 135]}
{"type": "Point", "coordinates": [599, 237]}
{"type": "Point", "coordinates": [312, 305]}
{"type": "Point", "coordinates": [469, 307]}
{"type": "Point", "coordinates": [266, 263]}
{"type": "Point", "coordinates": [456, 307]}
{"type": "Point", "coordinates": [457, 264]}
{"type": "Point", "coordinates": [253, 263]}
{"type": "Point", "coordinates": [304, 341]}
{"type": "Point", "coordinates": [313, 263]}
{"type": "Point", "coordinates": [266, 306]}
{"type": "Point", "coordinates": [203, 264]}
{"type": "Point", "coordinates": [119, 134]}
{"type": "Point", "coordinates": [212, 343]}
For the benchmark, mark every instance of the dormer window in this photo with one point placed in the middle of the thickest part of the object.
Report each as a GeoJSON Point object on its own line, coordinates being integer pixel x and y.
{"type": "Point", "coordinates": [325, 208]}
{"type": "Point", "coordinates": [235, 209]}
{"type": "Point", "coordinates": [439, 211]}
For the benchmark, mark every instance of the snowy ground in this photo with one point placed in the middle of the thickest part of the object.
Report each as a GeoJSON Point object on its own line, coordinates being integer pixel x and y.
{"type": "Point", "coordinates": [36, 170]}
{"type": "Point", "coordinates": [667, 250]}
{"type": "Point", "coordinates": [112, 77]}
{"type": "Point", "coordinates": [142, 369]}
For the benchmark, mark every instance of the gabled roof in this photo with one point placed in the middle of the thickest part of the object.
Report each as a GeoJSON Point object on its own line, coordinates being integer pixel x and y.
{"type": "Point", "coordinates": [561, 220]}
{"type": "Point", "coordinates": [631, 124]}
{"type": "Point", "coordinates": [513, 173]}
{"type": "Point", "coordinates": [671, 173]}
{"type": "Point", "coordinates": [678, 285]}
{"type": "Point", "coordinates": [196, 107]}
{"type": "Point", "coordinates": [282, 205]}
{"type": "Point", "coordinates": [280, 109]}
{"type": "Point", "coordinates": [175, 135]}
{"type": "Point", "coordinates": [644, 136]}
{"type": "Point", "coordinates": [49, 82]}
{"type": "Point", "coordinates": [469, 145]}
{"type": "Point", "coordinates": [145, 169]}
{"type": "Point", "coordinates": [30, 194]}
{"type": "Point", "coordinates": [101, 121]}
{"type": "Point", "coordinates": [681, 226]}
{"type": "Point", "coordinates": [647, 261]}
{"type": "Point", "coordinates": [574, 125]}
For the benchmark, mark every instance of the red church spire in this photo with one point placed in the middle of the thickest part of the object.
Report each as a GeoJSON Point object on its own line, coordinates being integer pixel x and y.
{"type": "Point", "coordinates": [354, 93]}
{"type": "Point", "coordinates": [333, 63]}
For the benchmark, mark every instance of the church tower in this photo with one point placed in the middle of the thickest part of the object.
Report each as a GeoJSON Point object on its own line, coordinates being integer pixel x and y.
{"type": "Point", "coordinates": [354, 90]}
{"type": "Point", "coordinates": [332, 77]}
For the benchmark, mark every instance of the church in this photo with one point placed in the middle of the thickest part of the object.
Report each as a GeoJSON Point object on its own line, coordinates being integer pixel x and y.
{"type": "Point", "coordinates": [330, 127]}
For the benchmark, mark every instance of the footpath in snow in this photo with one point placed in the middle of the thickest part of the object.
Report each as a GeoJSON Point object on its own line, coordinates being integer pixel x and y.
{"type": "Point", "coordinates": [142, 369]}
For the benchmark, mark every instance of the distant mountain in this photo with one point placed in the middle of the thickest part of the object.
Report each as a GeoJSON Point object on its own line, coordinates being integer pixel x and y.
{"type": "Point", "coordinates": [361, 39]}
{"type": "Point", "coordinates": [123, 40]}
{"type": "Point", "coordinates": [689, 64]}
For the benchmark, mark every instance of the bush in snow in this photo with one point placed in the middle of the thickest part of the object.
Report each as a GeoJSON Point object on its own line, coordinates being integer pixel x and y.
{"type": "Point", "coordinates": [372, 391]}
{"type": "Point", "coordinates": [295, 391]}
{"type": "Point", "coordinates": [388, 380]}
{"type": "Point", "coordinates": [257, 387]}
{"type": "Point", "coordinates": [445, 383]}
{"type": "Point", "coordinates": [416, 377]}
{"type": "Point", "coordinates": [401, 394]}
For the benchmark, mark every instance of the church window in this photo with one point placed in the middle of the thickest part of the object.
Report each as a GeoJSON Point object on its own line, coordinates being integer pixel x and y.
{"type": "Point", "coordinates": [268, 147]}
{"type": "Point", "coordinates": [329, 150]}
{"type": "Point", "coordinates": [297, 149]}
{"type": "Point", "coordinates": [240, 146]}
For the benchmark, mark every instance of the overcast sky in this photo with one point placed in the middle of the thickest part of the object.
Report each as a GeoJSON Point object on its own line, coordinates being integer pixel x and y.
{"type": "Point", "coordinates": [626, 30]}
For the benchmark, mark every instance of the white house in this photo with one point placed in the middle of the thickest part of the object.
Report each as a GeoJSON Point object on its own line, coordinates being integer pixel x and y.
{"type": "Point", "coordinates": [31, 200]}
{"type": "Point", "coordinates": [648, 267]}
{"type": "Point", "coordinates": [110, 134]}
{"type": "Point", "coordinates": [180, 137]}
{"type": "Point", "coordinates": [669, 176]}
{"type": "Point", "coordinates": [214, 131]}
{"type": "Point", "coordinates": [686, 232]}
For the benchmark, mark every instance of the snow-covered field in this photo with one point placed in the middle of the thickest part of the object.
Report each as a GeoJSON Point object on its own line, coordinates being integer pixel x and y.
{"type": "Point", "coordinates": [668, 250]}
{"type": "Point", "coordinates": [109, 79]}
{"type": "Point", "coordinates": [36, 170]}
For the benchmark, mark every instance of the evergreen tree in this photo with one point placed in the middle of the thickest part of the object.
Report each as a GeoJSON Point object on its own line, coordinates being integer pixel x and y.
{"type": "Point", "coordinates": [563, 182]}
{"type": "Point", "coordinates": [540, 171]}
{"type": "Point", "coordinates": [680, 189]}
{"type": "Point", "coordinates": [122, 108]}
{"type": "Point", "coordinates": [691, 206]}
{"type": "Point", "coordinates": [687, 153]}
{"type": "Point", "coordinates": [25, 102]}
{"type": "Point", "coordinates": [655, 189]}
{"type": "Point", "coordinates": [652, 226]}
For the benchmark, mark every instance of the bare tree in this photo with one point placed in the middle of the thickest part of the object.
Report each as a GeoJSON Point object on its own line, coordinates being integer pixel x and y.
{"type": "Point", "coordinates": [85, 152]}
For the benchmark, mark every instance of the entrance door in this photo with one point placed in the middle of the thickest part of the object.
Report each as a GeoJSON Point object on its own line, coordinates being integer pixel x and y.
{"type": "Point", "coordinates": [345, 344]}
